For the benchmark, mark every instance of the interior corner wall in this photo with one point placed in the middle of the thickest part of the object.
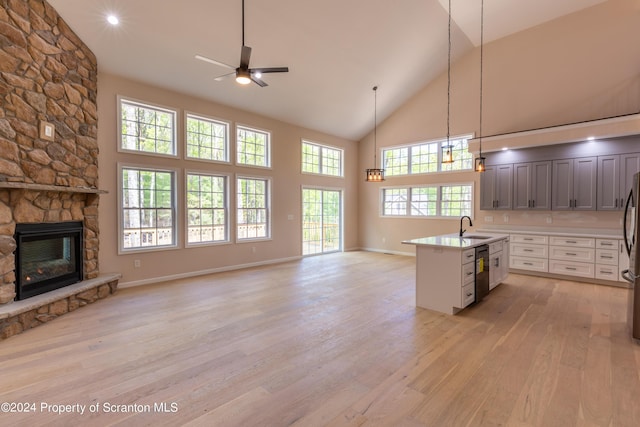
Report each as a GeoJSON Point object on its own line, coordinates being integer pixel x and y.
{"type": "Point", "coordinates": [583, 66]}
{"type": "Point", "coordinates": [286, 175]}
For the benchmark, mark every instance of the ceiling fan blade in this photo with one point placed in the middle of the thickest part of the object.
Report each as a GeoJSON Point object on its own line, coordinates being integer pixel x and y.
{"type": "Point", "coordinates": [245, 55]}
{"type": "Point", "coordinates": [270, 70]}
{"type": "Point", "coordinates": [258, 81]}
{"type": "Point", "coordinates": [224, 76]}
{"type": "Point", "coordinates": [213, 61]}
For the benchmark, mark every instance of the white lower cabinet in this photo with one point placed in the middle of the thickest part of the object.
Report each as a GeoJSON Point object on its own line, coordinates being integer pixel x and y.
{"type": "Point", "coordinates": [529, 252]}
{"type": "Point", "coordinates": [498, 267]}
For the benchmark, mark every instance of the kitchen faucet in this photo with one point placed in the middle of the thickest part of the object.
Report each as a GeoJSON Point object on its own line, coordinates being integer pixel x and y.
{"type": "Point", "coordinates": [470, 224]}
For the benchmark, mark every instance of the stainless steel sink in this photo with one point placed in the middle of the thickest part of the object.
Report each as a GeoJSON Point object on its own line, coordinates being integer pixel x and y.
{"type": "Point", "coordinates": [473, 236]}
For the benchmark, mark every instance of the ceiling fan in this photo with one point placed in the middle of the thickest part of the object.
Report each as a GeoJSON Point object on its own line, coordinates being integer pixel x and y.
{"type": "Point", "coordinates": [244, 74]}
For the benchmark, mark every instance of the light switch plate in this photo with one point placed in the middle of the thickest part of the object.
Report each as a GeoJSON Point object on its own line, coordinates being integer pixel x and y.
{"type": "Point", "coordinates": [47, 131]}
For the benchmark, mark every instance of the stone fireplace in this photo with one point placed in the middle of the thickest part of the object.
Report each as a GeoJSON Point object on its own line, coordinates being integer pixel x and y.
{"type": "Point", "coordinates": [48, 149]}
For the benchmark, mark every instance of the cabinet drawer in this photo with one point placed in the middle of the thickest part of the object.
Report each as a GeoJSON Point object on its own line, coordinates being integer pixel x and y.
{"type": "Point", "coordinates": [468, 255]}
{"type": "Point", "coordinates": [534, 264]}
{"type": "Point", "coordinates": [607, 256]}
{"type": "Point", "coordinates": [606, 272]}
{"type": "Point", "coordinates": [468, 271]}
{"type": "Point", "coordinates": [468, 295]}
{"type": "Point", "coordinates": [606, 244]}
{"type": "Point", "coordinates": [576, 242]}
{"type": "Point", "coordinates": [529, 238]}
{"type": "Point", "coordinates": [535, 251]}
{"type": "Point", "coordinates": [569, 268]}
{"type": "Point", "coordinates": [572, 254]}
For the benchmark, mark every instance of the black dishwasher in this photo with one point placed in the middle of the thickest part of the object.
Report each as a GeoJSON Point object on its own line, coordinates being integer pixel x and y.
{"type": "Point", "coordinates": [482, 271]}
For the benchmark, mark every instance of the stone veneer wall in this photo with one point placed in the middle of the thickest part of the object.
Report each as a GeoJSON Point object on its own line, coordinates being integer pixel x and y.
{"type": "Point", "coordinates": [46, 74]}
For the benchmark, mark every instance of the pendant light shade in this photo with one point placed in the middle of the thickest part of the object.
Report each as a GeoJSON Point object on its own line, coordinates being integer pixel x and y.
{"type": "Point", "coordinates": [447, 153]}
{"type": "Point", "coordinates": [375, 174]}
{"type": "Point", "coordinates": [480, 165]}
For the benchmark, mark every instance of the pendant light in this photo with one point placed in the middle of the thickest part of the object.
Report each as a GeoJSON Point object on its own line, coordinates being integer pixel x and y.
{"type": "Point", "coordinates": [480, 160]}
{"type": "Point", "coordinates": [447, 150]}
{"type": "Point", "coordinates": [375, 174]}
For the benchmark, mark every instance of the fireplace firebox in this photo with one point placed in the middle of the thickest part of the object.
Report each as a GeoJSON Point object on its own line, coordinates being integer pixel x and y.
{"type": "Point", "coordinates": [48, 257]}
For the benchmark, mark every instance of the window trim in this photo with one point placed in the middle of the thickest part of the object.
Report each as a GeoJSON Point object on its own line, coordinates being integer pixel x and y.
{"type": "Point", "coordinates": [321, 146]}
{"type": "Point", "coordinates": [174, 202]}
{"type": "Point", "coordinates": [438, 141]}
{"type": "Point", "coordinates": [174, 111]}
{"type": "Point", "coordinates": [269, 208]}
{"type": "Point", "coordinates": [187, 114]}
{"type": "Point", "coordinates": [227, 225]}
{"type": "Point", "coordinates": [238, 126]}
{"type": "Point", "coordinates": [438, 202]}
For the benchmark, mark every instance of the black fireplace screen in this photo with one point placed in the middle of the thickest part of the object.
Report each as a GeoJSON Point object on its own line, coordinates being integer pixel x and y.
{"type": "Point", "coordinates": [48, 257]}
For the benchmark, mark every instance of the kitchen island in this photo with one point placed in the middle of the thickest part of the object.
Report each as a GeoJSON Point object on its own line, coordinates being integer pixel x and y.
{"type": "Point", "coordinates": [446, 268]}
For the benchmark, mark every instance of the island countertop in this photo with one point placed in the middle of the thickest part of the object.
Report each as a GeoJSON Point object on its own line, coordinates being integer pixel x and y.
{"type": "Point", "coordinates": [454, 241]}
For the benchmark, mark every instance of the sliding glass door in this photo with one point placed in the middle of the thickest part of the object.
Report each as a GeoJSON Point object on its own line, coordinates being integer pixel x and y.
{"type": "Point", "coordinates": [321, 221]}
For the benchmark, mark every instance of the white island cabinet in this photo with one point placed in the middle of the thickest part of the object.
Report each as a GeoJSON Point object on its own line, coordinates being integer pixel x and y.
{"type": "Point", "coordinates": [445, 269]}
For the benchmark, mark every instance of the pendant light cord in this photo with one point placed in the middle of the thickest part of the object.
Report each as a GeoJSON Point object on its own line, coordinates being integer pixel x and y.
{"type": "Point", "coordinates": [481, 66]}
{"type": "Point", "coordinates": [375, 125]}
{"type": "Point", "coordinates": [449, 78]}
{"type": "Point", "coordinates": [242, 22]}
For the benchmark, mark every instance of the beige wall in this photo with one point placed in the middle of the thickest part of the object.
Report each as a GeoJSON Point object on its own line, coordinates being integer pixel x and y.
{"type": "Point", "coordinates": [580, 67]}
{"type": "Point", "coordinates": [287, 181]}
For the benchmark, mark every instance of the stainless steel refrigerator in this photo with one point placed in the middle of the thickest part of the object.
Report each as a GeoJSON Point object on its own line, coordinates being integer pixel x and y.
{"type": "Point", "coordinates": [631, 233]}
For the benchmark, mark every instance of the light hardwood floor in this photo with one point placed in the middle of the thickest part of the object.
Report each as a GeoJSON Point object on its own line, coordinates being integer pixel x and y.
{"type": "Point", "coordinates": [331, 340]}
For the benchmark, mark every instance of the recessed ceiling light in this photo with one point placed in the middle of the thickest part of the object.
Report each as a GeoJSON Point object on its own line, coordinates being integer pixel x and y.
{"type": "Point", "coordinates": [113, 20]}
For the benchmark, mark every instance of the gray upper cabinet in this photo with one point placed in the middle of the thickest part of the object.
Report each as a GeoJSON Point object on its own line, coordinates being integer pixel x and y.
{"type": "Point", "coordinates": [532, 185]}
{"type": "Point", "coordinates": [496, 187]}
{"type": "Point", "coordinates": [615, 174]}
{"type": "Point", "coordinates": [574, 184]}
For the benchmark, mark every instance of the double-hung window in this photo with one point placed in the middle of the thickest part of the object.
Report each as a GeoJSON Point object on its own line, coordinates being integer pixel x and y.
{"type": "Point", "coordinates": [147, 128]}
{"type": "Point", "coordinates": [427, 157]}
{"type": "Point", "coordinates": [253, 208]}
{"type": "Point", "coordinates": [443, 201]}
{"type": "Point", "coordinates": [207, 139]}
{"type": "Point", "coordinates": [207, 211]}
{"type": "Point", "coordinates": [253, 147]}
{"type": "Point", "coordinates": [321, 159]}
{"type": "Point", "coordinates": [147, 207]}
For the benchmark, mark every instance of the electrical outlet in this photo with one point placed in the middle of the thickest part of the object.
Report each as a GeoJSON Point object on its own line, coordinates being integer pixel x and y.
{"type": "Point", "coordinates": [290, 217]}
{"type": "Point", "coordinates": [505, 218]}
{"type": "Point", "coordinates": [488, 219]}
{"type": "Point", "coordinates": [549, 220]}
{"type": "Point", "coordinates": [384, 240]}
{"type": "Point", "coordinates": [253, 249]}
{"type": "Point", "coordinates": [137, 263]}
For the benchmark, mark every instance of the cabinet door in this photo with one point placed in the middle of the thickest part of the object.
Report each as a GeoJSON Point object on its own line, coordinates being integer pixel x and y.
{"type": "Point", "coordinates": [541, 185]}
{"type": "Point", "coordinates": [629, 165]}
{"type": "Point", "coordinates": [584, 183]}
{"type": "Point", "coordinates": [562, 188]}
{"type": "Point", "coordinates": [522, 198]}
{"type": "Point", "coordinates": [504, 186]}
{"type": "Point", "coordinates": [487, 188]}
{"type": "Point", "coordinates": [608, 183]}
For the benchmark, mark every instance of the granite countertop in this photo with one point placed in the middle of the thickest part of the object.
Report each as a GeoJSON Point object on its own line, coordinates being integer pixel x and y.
{"type": "Point", "coordinates": [454, 241]}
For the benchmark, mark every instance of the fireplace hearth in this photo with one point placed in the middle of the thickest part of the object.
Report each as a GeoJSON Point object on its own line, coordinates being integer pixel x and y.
{"type": "Point", "coordinates": [48, 257]}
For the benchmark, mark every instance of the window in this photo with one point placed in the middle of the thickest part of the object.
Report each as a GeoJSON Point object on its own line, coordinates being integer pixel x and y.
{"type": "Point", "coordinates": [147, 129]}
{"type": "Point", "coordinates": [148, 208]}
{"type": "Point", "coordinates": [428, 201]}
{"type": "Point", "coordinates": [252, 147]}
{"type": "Point", "coordinates": [206, 208]}
{"type": "Point", "coordinates": [252, 208]}
{"type": "Point", "coordinates": [207, 139]}
{"type": "Point", "coordinates": [427, 157]}
{"type": "Point", "coordinates": [321, 159]}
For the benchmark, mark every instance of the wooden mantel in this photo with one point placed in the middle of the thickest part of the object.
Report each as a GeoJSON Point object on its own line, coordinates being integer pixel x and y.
{"type": "Point", "coordinates": [44, 187]}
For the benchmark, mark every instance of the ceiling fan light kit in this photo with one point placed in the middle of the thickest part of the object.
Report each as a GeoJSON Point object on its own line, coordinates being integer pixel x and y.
{"type": "Point", "coordinates": [244, 74]}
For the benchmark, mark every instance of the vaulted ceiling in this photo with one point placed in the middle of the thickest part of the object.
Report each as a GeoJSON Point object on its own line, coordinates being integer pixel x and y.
{"type": "Point", "coordinates": [336, 50]}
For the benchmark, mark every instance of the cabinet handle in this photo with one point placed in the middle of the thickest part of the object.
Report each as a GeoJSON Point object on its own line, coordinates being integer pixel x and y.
{"type": "Point", "coordinates": [573, 242]}
{"type": "Point", "coordinates": [528, 239]}
{"type": "Point", "coordinates": [527, 263]}
{"type": "Point", "coordinates": [570, 254]}
{"type": "Point", "coordinates": [527, 250]}
{"type": "Point", "coordinates": [469, 274]}
{"type": "Point", "coordinates": [533, 202]}
{"type": "Point", "coordinates": [606, 244]}
{"type": "Point", "coordinates": [469, 294]}
{"type": "Point", "coordinates": [570, 268]}
{"type": "Point", "coordinates": [606, 257]}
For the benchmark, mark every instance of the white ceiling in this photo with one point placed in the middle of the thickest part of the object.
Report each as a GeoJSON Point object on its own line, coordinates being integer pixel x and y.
{"type": "Point", "coordinates": [336, 50]}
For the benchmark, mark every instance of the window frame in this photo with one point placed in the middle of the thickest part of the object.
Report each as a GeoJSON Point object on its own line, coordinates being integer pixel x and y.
{"type": "Point", "coordinates": [227, 208]}
{"type": "Point", "coordinates": [321, 156]}
{"type": "Point", "coordinates": [227, 145]}
{"type": "Point", "coordinates": [439, 200]}
{"type": "Point", "coordinates": [153, 106]}
{"type": "Point", "coordinates": [410, 156]}
{"type": "Point", "coordinates": [268, 207]}
{"type": "Point", "coordinates": [267, 155]}
{"type": "Point", "coordinates": [174, 209]}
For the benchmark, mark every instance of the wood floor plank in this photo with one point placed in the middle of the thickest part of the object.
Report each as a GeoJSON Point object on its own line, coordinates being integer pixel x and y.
{"type": "Point", "coordinates": [331, 340]}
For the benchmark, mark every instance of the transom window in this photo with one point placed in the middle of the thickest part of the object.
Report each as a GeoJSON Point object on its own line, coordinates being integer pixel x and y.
{"type": "Point", "coordinates": [206, 208]}
{"type": "Point", "coordinates": [428, 201]}
{"type": "Point", "coordinates": [207, 139]}
{"type": "Point", "coordinates": [427, 157]}
{"type": "Point", "coordinates": [147, 208]}
{"type": "Point", "coordinates": [147, 129]}
{"type": "Point", "coordinates": [321, 159]}
{"type": "Point", "coordinates": [252, 208]}
{"type": "Point", "coordinates": [252, 147]}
